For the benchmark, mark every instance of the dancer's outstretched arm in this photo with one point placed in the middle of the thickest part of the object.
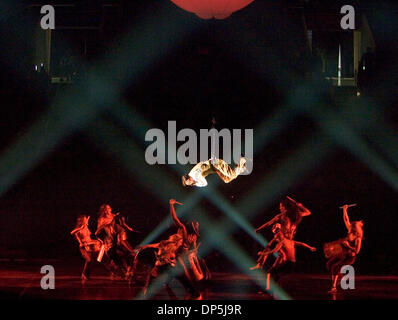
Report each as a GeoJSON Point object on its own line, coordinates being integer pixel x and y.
{"type": "Point", "coordinates": [303, 210]}
{"type": "Point", "coordinates": [267, 224]}
{"type": "Point", "coordinates": [302, 244]}
{"type": "Point", "coordinates": [175, 218]}
{"type": "Point", "coordinates": [76, 230]}
{"type": "Point", "coordinates": [151, 245]}
{"type": "Point", "coordinates": [346, 218]}
{"type": "Point", "coordinates": [124, 224]}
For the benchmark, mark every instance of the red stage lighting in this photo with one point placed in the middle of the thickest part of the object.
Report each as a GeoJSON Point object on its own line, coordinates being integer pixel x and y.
{"type": "Point", "coordinates": [208, 9]}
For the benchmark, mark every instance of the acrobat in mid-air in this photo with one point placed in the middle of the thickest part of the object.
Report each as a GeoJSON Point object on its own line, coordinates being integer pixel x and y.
{"type": "Point", "coordinates": [343, 251]}
{"type": "Point", "coordinates": [197, 176]}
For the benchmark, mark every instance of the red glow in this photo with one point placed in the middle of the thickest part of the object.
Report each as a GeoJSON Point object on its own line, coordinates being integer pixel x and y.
{"type": "Point", "coordinates": [207, 9]}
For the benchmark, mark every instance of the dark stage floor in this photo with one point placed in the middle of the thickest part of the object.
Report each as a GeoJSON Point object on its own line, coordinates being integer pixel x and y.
{"type": "Point", "coordinates": [21, 280]}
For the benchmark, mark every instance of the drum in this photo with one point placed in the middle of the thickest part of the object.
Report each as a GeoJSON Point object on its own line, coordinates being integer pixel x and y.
{"type": "Point", "coordinates": [333, 249]}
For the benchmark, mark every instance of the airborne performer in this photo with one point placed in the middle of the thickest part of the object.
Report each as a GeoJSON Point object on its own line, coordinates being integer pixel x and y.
{"type": "Point", "coordinates": [197, 176]}
{"type": "Point", "coordinates": [343, 251]}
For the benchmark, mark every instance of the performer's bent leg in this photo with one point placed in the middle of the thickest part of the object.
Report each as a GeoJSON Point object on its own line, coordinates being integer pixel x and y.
{"type": "Point", "coordinates": [87, 264]}
{"type": "Point", "coordinates": [85, 275]}
{"type": "Point", "coordinates": [335, 266]}
{"type": "Point", "coordinates": [185, 279]}
{"type": "Point", "coordinates": [225, 172]}
{"type": "Point", "coordinates": [273, 271]}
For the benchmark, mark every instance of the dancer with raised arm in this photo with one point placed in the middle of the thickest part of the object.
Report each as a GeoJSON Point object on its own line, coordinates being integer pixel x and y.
{"type": "Point", "coordinates": [290, 216]}
{"type": "Point", "coordinates": [194, 267]}
{"type": "Point", "coordinates": [174, 253]}
{"type": "Point", "coordinates": [343, 251]}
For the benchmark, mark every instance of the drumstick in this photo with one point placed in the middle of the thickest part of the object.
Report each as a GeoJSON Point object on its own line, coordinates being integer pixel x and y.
{"type": "Point", "coordinates": [295, 202]}
{"type": "Point", "coordinates": [349, 206]}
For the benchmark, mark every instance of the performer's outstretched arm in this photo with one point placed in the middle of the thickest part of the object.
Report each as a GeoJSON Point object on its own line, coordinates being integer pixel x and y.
{"type": "Point", "coordinates": [302, 244]}
{"type": "Point", "coordinates": [98, 230]}
{"type": "Point", "coordinates": [175, 218]}
{"type": "Point", "coordinates": [151, 245]}
{"type": "Point", "coordinates": [124, 224]}
{"type": "Point", "coordinates": [346, 218]}
{"type": "Point", "coordinates": [267, 224]}
{"type": "Point", "coordinates": [303, 210]}
{"type": "Point", "coordinates": [76, 230]}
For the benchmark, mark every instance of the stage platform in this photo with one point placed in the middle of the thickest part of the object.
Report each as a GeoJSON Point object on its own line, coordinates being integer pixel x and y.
{"type": "Point", "coordinates": [21, 280]}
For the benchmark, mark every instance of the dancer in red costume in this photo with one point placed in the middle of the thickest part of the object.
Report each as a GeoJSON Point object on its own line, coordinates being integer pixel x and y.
{"type": "Point", "coordinates": [343, 251]}
{"type": "Point", "coordinates": [89, 248]}
{"type": "Point", "coordinates": [290, 216]}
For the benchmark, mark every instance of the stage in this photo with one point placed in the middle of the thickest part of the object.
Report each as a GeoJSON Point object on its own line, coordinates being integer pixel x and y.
{"type": "Point", "coordinates": [21, 280]}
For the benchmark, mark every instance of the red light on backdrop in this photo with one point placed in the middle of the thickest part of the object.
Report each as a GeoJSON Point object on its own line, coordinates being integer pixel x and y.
{"type": "Point", "coordinates": [208, 9]}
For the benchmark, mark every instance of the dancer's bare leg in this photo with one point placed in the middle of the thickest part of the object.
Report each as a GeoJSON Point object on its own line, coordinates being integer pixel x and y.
{"type": "Point", "coordinates": [268, 278]}
{"type": "Point", "coordinates": [334, 284]}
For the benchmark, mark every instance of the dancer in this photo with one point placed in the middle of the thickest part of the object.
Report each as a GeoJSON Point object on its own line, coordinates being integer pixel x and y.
{"type": "Point", "coordinates": [172, 253]}
{"type": "Point", "coordinates": [165, 257]}
{"type": "Point", "coordinates": [89, 248]}
{"type": "Point", "coordinates": [197, 176]}
{"type": "Point", "coordinates": [112, 228]}
{"type": "Point", "coordinates": [290, 216]}
{"type": "Point", "coordinates": [194, 267]}
{"type": "Point", "coordinates": [343, 251]}
{"type": "Point", "coordinates": [286, 258]}
{"type": "Point", "coordinates": [271, 247]}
